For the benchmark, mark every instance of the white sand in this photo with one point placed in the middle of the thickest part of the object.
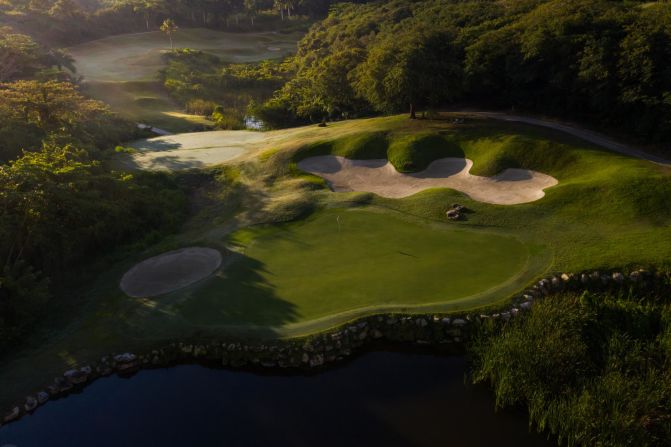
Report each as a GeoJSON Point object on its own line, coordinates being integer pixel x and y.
{"type": "Point", "coordinates": [170, 271]}
{"type": "Point", "coordinates": [510, 187]}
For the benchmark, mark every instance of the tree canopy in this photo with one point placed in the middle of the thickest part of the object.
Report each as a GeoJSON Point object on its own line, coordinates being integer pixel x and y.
{"type": "Point", "coordinates": [598, 61]}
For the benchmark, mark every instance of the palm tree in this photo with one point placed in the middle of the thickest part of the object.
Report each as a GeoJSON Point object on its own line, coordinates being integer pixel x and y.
{"type": "Point", "coordinates": [169, 27]}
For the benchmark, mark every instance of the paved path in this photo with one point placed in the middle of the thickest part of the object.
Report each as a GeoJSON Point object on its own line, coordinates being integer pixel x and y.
{"type": "Point", "coordinates": [587, 135]}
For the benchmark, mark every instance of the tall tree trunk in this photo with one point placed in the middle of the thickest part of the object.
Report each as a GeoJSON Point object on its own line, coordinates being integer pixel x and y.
{"type": "Point", "coordinates": [413, 111]}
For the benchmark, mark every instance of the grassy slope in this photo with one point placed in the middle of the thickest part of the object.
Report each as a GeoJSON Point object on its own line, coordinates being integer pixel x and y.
{"type": "Point", "coordinates": [122, 70]}
{"type": "Point", "coordinates": [607, 211]}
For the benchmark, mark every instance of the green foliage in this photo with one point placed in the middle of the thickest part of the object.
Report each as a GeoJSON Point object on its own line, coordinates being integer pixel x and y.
{"type": "Point", "coordinates": [592, 369]}
{"type": "Point", "coordinates": [598, 61]}
{"type": "Point", "coordinates": [32, 111]}
{"type": "Point", "coordinates": [202, 82]}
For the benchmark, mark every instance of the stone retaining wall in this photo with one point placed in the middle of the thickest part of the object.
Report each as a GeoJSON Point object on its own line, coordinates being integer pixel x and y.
{"type": "Point", "coordinates": [318, 351]}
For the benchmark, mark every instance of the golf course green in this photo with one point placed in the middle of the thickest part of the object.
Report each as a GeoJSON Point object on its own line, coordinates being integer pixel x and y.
{"type": "Point", "coordinates": [347, 259]}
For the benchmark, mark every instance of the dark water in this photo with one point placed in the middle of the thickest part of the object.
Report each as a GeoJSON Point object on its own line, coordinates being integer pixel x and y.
{"type": "Point", "coordinates": [379, 399]}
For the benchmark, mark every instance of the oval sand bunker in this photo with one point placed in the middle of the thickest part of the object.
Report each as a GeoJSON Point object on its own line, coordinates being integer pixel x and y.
{"type": "Point", "coordinates": [170, 271]}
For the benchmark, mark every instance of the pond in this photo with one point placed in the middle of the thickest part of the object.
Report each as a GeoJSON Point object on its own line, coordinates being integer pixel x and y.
{"type": "Point", "coordinates": [379, 398]}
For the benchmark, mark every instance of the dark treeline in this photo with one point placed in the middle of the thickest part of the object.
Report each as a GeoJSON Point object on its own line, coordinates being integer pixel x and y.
{"type": "Point", "coordinates": [597, 61]}
{"type": "Point", "coordinates": [70, 21]}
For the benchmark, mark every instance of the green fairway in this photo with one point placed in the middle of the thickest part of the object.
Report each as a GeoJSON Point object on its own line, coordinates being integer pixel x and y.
{"type": "Point", "coordinates": [122, 70]}
{"type": "Point", "coordinates": [341, 260]}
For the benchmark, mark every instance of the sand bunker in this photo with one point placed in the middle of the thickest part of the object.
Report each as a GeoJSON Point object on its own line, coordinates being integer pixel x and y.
{"type": "Point", "coordinates": [170, 271]}
{"type": "Point", "coordinates": [510, 187]}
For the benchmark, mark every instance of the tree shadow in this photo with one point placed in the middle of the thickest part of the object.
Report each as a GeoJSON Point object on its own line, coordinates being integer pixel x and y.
{"type": "Point", "coordinates": [239, 295]}
{"type": "Point", "coordinates": [156, 145]}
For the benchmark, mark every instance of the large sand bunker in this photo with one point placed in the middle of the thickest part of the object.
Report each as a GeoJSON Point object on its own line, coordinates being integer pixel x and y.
{"type": "Point", "coordinates": [170, 271]}
{"type": "Point", "coordinates": [510, 187]}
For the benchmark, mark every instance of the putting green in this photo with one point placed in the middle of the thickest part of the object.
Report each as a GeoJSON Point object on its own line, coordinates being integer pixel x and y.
{"type": "Point", "coordinates": [343, 261]}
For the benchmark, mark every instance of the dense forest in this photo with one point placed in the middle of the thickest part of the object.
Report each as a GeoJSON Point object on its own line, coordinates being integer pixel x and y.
{"type": "Point", "coordinates": [596, 61]}
{"type": "Point", "coordinates": [71, 21]}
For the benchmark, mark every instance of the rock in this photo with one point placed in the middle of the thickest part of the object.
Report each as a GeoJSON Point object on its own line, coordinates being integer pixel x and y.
{"type": "Point", "coordinates": [556, 283]}
{"type": "Point", "coordinates": [526, 305]}
{"type": "Point", "coordinates": [31, 404]}
{"type": "Point", "coordinates": [584, 278]}
{"type": "Point", "coordinates": [505, 315]}
{"type": "Point", "coordinates": [377, 334]}
{"type": "Point", "coordinates": [605, 279]}
{"type": "Point", "coordinates": [316, 360]}
{"type": "Point", "coordinates": [42, 397]}
{"type": "Point", "coordinates": [392, 320]}
{"type": "Point", "coordinates": [127, 361]}
{"type": "Point", "coordinates": [459, 322]}
{"type": "Point", "coordinates": [594, 276]}
{"type": "Point", "coordinates": [634, 276]}
{"type": "Point", "coordinates": [125, 358]}
{"type": "Point", "coordinates": [445, 321]}
{"type": "Point", "coordinates": [306, 357]}
{"type": "Point", "coordinates": [75, 376]}
{"type": "Point", "coordinates": [421, 322]}
{"type": "Point", "coordinates": [86, 370]}
{"type": "Point", "coordinates": [63, 384]}
{"type": "Point", "coordinates": [618, 277]}
{"type": "Point", "coordinates": [565, 277]}
{"type": "Point", "coordinates": [12, 415]}
{"type": "Point", "coordinates": [53, 390]}
{"type": "Point", "coordinates": [514, 311]}
{"type": "Point", "coordinates": [453, 215]}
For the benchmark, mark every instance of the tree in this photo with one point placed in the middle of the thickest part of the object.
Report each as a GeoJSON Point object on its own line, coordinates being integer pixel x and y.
{"type": "Point", "coordinates": [252, 9]}
{"type": "Point", "coordinates": [147, 8]}
{"type": "Point", "coordinates": [19, 55]}
{"type": "Point", "coordinates": [169, 27]}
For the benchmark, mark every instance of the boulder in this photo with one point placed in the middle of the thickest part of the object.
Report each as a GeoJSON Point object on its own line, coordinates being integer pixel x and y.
{"type": "Point", "coordinates": [31, 404]}
{"type": "Point", "coordinates": [526, 305]}
{"type": "Point", "coordinates": [42, 397]}
{"type": "Point", "coordinates": [618, 277]}
{"type": "Point", "coordinates": [316, 360]}
{"type": "Point", "coordinates": [125, 357]}
{"type": "Point", "coordinates": [459, 322]}
{"type": "Point", "coordinates": [453, 215]}
{"type": "Point", "coordinates": [12, 415]}
{"type": "Point", "coordinates": [584, 278]}
{"type": "Point", "coordinates": [75, 376]}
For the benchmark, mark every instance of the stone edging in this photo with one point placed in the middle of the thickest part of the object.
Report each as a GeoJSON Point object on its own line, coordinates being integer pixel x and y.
{"type": "Point", "coordinates": [316, 351]}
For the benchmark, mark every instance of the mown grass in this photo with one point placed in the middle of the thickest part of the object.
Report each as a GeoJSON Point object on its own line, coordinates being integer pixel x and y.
{"type": "Point", "coordinates": [345, 259]}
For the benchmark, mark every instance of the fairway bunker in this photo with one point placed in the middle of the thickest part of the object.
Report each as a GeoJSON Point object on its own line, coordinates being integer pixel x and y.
{"type": "Point", "coordinates": [510, 187]}
{"type": "Point", "coordinates": [170, 271]}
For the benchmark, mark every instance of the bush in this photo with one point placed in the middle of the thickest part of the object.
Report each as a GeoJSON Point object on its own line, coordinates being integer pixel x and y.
{"type": "Point", "coordinates": [201, 107]}
{"type": "Point", "coordinates": [593, 370]}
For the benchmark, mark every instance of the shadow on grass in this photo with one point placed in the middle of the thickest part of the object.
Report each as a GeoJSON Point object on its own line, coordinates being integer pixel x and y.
{"type": "Point", "coordinates": [239, 296]}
